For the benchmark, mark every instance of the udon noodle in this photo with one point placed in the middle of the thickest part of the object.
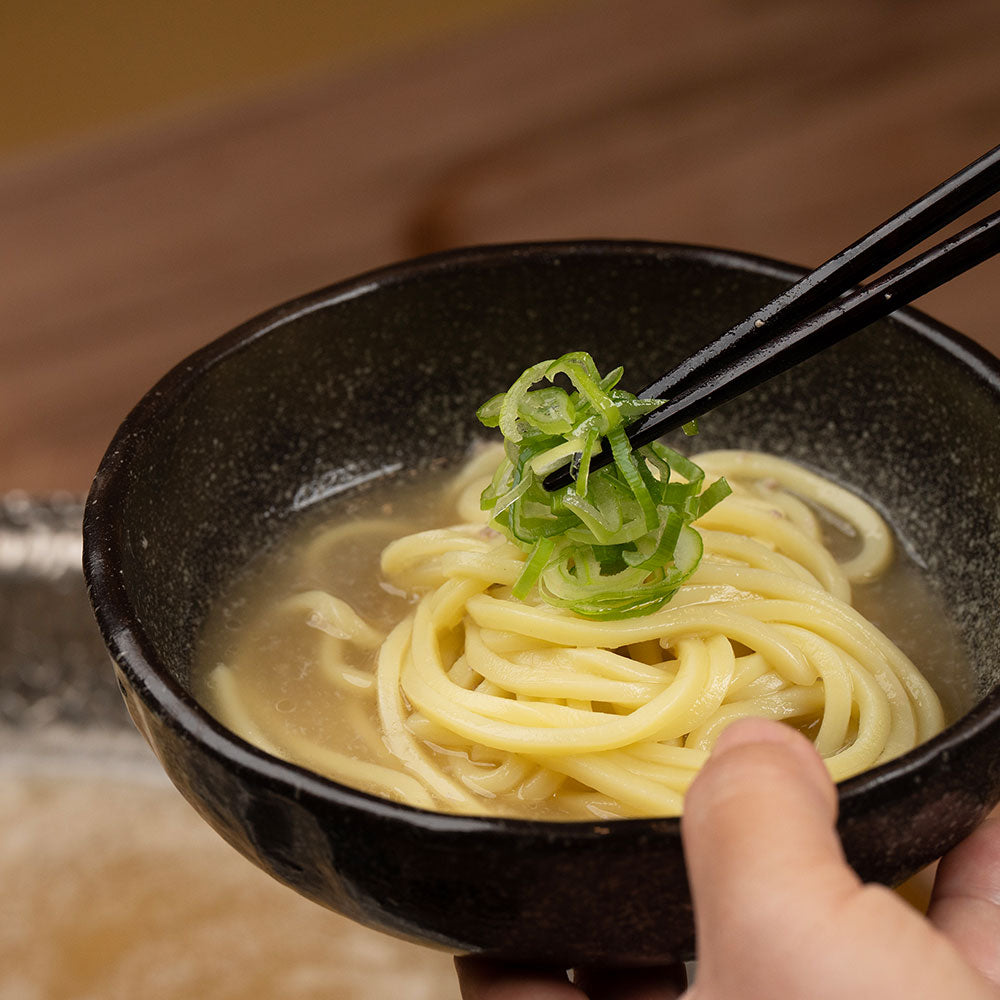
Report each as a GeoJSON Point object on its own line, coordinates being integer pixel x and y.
{"type": "Point", "coordinates": [475, 702]}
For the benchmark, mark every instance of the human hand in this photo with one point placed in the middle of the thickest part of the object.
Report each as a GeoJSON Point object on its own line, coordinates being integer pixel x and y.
{"type": "Point", "coordinates": [780, 914]}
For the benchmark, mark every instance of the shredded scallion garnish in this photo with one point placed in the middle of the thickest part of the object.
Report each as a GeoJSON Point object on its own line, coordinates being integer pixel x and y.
{"type": "Point", "coordinates": [618, 541]}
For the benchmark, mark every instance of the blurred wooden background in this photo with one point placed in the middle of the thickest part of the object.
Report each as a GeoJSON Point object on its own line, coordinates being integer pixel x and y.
{"type": "Point", "coordinates": [785, 127]}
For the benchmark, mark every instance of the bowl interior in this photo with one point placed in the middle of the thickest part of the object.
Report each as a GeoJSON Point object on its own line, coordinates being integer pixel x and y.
{"type": "Point", "coordinates": [383, 380]}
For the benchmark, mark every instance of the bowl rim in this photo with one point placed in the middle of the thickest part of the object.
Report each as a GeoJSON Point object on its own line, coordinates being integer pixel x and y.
{"type": "Point", "coordinates": [134, 654]}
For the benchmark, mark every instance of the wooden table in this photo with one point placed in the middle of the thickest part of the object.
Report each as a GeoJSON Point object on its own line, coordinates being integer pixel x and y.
{"type": "Point", "coordinates": [785, 127]}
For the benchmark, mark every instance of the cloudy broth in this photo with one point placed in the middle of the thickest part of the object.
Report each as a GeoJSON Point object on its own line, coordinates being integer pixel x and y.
{"type": "Point", "coordinates": [281, 674]}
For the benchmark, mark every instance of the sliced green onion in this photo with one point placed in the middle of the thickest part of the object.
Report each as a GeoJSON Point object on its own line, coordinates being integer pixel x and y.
{"type": "Point", "coordinates": [715, 493]}
{"type": "Point", "coordinates": [666, 545]}
{"type": "Point", "coordinates": [550, 410]}
{"type": "Point", "coordinates": [543, 464]}
{"type": "Point", "coordinates": [625, 460]}
{"type": "Point", "coordinates": [618, 542]}
{"type": "Point", "coordinates": [489, 412]}
{"type": "Point", "coordinates": [533, 567]}
{"type": "Point", "coordinates": [513, 397]}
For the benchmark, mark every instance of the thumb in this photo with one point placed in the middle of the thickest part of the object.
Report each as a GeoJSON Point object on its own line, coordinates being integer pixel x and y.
{"type": "Point", "coordinates": [778, 912]}
{"type": "Point", "coordinates": [761, 847]}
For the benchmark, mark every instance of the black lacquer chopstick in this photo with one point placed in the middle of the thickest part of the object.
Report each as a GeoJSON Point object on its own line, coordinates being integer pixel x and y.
{"type": "Point", "coordinates": [814, 313]}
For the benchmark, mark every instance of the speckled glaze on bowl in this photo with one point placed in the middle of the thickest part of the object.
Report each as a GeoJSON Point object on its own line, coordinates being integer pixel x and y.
{"type": "Point", "coordinates": [384, 371]}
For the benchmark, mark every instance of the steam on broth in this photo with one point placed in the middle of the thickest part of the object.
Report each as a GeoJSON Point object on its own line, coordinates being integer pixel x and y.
{"type": "Point", "coordinates": [380, 645]}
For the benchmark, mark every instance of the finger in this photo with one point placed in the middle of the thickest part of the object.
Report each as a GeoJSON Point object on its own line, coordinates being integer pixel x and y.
{"type": "Point", "coordinates": [484, 979]}
{"type": "Point", "coordinates": [632, 984]}
{"type": "Point", "coordinates": [965, 904]}
{"type": "Point", "coordinates": [759, 839]}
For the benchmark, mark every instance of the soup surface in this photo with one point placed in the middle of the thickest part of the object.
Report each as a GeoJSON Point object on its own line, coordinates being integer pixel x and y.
{"type": "Point", "coordinates": [292, 657]}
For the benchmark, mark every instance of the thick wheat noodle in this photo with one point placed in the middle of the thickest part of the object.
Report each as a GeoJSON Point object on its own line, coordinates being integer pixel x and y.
{"type": "Point", "coordinates": [490, 704]}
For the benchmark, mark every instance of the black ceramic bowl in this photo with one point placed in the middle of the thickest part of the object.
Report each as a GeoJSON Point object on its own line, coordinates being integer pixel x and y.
{"type": "Point", "coordinates": [387, 368]}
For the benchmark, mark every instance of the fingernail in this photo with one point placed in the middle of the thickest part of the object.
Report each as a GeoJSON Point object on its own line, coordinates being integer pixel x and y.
{"type": "Point", "coordinates": [746, 731]}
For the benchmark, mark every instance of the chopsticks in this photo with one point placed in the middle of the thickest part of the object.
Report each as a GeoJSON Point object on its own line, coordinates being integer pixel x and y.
{"type": "Point", "coordinates": [814, 313]}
